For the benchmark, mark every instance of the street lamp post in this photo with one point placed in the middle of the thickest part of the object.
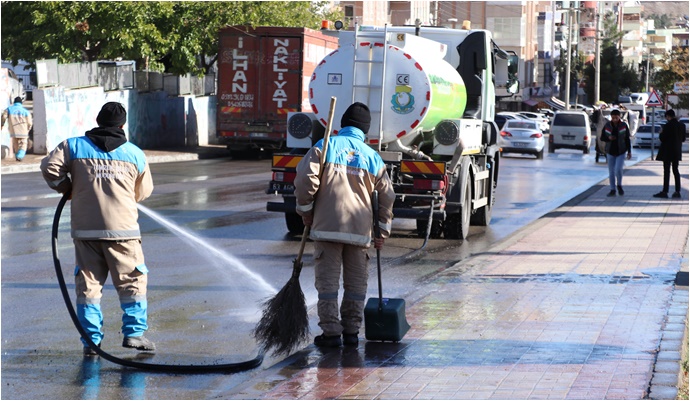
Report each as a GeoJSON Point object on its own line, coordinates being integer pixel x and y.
{"type": "Point", "coordinates": [646, 81]}
{"type": "Point", "coordinates": [567, 67]}
{"type": "Point", "coordinates": [570, 56]}
{"type": "Point", "coordinates": [597, 60]}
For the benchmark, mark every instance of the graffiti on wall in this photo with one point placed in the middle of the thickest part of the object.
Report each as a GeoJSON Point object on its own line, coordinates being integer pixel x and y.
{"type": "Point", "coordinates": [154, 120]}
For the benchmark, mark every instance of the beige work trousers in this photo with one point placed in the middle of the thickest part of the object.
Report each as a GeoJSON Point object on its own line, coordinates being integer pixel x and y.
{"type": "Point", "coordinates": [20, 144]}
{"type": "Point", "coordinates": [124, 260]}
{"type": "Point", "coordinates": [329, 257]}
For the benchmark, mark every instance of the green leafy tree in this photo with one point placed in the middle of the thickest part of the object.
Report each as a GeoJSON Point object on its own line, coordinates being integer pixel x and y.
{"type": "Point", "coordinates": [661, 21]}
{"type": "Point", "coordinates": [178, 37]}
{"type": "Point", "coordinates": [82, 31]}
{"type": "Point", "coordinates": [674, 68]}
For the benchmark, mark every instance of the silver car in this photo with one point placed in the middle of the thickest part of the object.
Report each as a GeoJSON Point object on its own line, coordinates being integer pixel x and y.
{"type": "Point", "coordinates": [522, 136]}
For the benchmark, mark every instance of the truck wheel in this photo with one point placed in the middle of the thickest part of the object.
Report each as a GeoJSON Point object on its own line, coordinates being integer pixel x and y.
{"type": "Point", "coordinates": [457, 225]}
{"type": "Point", "coordinates": [552, 148]}
{"type": "Point", "coordinates": [436, 229]}
{"type": "Point", "coordinates": [294, 223]}
{"type": "Point", "coordinates": [585, 151]}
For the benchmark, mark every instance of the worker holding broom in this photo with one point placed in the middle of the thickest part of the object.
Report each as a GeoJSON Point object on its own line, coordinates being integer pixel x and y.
{"type": "Point", "coordinates": [106, 176]}
{"type": "Point", "coordinates": [337, 207]}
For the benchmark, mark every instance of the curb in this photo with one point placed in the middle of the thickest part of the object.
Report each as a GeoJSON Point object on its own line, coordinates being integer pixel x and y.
{"type": "Point", "coordinates": [161, 157]}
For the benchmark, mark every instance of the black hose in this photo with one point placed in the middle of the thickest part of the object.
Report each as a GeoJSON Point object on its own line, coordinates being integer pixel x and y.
{"type": "Point", "coordinates": [228, 367]}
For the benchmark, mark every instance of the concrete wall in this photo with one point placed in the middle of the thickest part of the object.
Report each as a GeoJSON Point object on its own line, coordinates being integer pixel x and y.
{"type": "Point", "coordinates": [154, 120]}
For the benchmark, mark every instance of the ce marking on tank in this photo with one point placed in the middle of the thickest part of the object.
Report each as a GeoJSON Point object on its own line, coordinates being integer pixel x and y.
{"type": "Point", "coordinates": [402, 79]}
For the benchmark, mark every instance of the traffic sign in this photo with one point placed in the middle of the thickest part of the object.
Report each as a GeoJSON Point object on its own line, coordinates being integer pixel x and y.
{"type": "Point", "coordinates": [654, 100]}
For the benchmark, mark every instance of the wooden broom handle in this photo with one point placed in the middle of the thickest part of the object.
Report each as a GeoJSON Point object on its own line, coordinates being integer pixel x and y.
{"type": "Point", "coordinates": [322, 161]}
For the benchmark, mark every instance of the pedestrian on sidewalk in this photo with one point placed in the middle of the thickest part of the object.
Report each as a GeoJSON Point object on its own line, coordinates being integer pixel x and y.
{"type": "Point", "coordinates": [20, 123]}
{"type": "Point", "coordinates": [341, 222]}
{"type": "Point", "coordinates": [672, 136]}
{"type": "Point", "coordinates": [108, 177]}
{"type": "Point", "coordinates": [616, 135]}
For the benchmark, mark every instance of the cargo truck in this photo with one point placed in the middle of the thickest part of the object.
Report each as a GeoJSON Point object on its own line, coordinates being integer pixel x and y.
{"type": "Point", "coordinates": [432, 93]}
{"type": "Point", "coordinates": [263, 74]}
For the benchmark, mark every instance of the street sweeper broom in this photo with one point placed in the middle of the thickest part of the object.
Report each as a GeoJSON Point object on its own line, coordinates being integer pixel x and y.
{"type": "Point", "coordinates": [284, 322]}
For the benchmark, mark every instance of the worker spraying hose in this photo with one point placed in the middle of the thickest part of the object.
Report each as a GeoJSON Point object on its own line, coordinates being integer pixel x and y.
{"type": "Point", "coordinates": [107, 176]}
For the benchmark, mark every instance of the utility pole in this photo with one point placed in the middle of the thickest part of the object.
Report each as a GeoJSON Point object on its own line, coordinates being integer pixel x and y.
{"type": "Point", "coordinates": [646, 82]}
{"type": "Point", "coordinates": [567, 67]}
{"type": "Point", "coordinates": [597, 60]}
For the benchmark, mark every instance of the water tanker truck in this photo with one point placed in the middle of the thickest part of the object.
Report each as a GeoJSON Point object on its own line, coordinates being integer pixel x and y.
{"type": "Point", "coordinates": [432, 94]}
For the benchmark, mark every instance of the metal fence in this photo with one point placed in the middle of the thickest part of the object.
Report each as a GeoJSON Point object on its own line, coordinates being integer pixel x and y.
{"type": "Point", "coordinates": [118, 75]}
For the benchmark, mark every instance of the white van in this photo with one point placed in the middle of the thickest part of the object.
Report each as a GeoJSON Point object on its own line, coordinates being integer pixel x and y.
{"type": "Point", "coordinates": [639, 97]}
{"type": "Point", "coordinates": [570, 129]}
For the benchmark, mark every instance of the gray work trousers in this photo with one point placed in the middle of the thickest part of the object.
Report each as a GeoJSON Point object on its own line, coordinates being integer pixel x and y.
{"type": "Point", "coordinates": [329, 258]}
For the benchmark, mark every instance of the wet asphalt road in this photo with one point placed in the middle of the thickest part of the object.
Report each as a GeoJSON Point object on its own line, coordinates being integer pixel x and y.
{"type": "Point", "coordinates": [203, 305]}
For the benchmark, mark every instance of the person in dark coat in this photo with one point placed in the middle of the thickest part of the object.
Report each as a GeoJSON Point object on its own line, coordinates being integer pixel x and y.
{"type": "Point", "coordinates": [672, 136]}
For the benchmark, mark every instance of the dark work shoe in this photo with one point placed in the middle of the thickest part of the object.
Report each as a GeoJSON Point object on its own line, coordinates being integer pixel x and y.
{"type": "Point", "coordinates": [350, 339]}
{"type": "Point", "coordinates": [676, 195]}
{"type": "Point", "coordinates": [620, 190]}
{"type": "Point", "coordinates": [88, 351]}
{"type": "Point", "coordinates": [141, 343]}
{"type": "Point", "coordinates": [328, 341]}
{"type": "Point", "coordinates": [612, 193]}
{"type": "Point", "coordinates": [661, 194]}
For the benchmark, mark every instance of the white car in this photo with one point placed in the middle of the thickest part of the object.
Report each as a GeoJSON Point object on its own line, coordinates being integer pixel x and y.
{"type": "Point", "coordinates": [522, 136]}
{"type": "Point", "coordinates": [504, 116]}
{"type": "Point", "coordinates": [643, 138]}
{"type": "Point", "coordinates": [582, 107]}
{"type": "Point", "coordinates": [541, 119]}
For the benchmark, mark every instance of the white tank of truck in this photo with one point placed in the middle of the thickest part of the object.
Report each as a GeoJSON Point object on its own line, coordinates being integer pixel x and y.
{"type": "Point", "coordinates": [420, 89]}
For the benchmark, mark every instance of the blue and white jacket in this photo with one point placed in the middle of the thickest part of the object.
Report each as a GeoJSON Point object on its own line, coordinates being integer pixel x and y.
{"type": "Point", "coordinates": [342, 207]}
{"type": "Point", "coordinates": [106, 187]}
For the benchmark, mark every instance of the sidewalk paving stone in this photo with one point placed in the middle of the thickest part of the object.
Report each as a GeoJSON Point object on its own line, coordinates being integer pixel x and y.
{"type": "Point", "coordinates": [573, 308]}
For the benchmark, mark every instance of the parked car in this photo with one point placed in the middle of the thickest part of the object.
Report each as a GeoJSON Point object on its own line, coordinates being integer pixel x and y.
{"type": "Point", "coordinates": [547, 112]}
{"type": "Point", "coordinates": [570, 129]}
{"type": "Point", "coordinates": [522, 136]}
{"type": "Point", "coordinates": [643, 139]}
{"type": "Point", "coordinates": [541, 119]}
{"type": "Point", "coordinates": [581, 107]}
{"type": "Point", "coordinates": [501, 118]}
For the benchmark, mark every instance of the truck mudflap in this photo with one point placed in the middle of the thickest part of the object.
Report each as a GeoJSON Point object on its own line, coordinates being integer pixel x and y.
{"type": "Point", "coordinates": [282, 207]}
{"type": "Point", "coordinates": [284, 167]}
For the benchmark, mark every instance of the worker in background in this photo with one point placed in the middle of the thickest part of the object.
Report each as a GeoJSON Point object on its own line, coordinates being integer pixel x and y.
{"type": "Point", "coordinates": [338, 209]}
{"type": "Point", "coordinates": [107, 176]}
{"type": "Point", "coordinates": [20, 123]}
